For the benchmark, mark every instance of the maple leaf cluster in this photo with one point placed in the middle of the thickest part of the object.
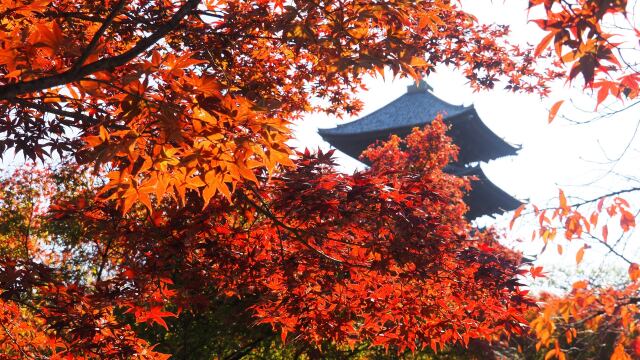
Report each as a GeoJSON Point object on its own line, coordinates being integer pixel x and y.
{"type": "Point", "coordinates": [588, 47]}
{"type": "Point", "coordinates": [172, 120]}
{"type": "Point", "coordinates": [383, 256]}
{"type": "Point", "coordinates": [598, 320]}
{"type": "Point", "coordinates": [607, 315]}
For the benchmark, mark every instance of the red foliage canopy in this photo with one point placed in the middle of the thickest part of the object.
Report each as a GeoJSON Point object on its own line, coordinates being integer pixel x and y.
{"type": "Point", "coordinates": [384, 255]}
{"type": "Point", "coordinates": [184, 108]}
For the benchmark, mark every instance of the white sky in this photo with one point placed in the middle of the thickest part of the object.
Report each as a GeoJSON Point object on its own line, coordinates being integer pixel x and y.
{"type": "Point", "coordinates": [557, 155]}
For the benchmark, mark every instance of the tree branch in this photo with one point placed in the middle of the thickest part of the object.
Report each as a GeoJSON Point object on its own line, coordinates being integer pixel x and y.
{"type": "Point", "coordinates": [96, 37]}
{"type": "Point", "coordinates": [615, 193]}
{"type": "Point", "coordinates": [266, 212]}
{"type": "Point", "coordinates": [610, 248]}
{"type": "Point", "coordinates": [52, 110]}
{"type": "Point", "coordinates": [244, 351]}
{"type": "Point", "coordinates": [14, 341]}
{"type": "Point", "coordinates": [589, 201]}
{"type": "Point", "coordinates": [12, 90]}
{"type": "Point", "coordinates": [75, 15]}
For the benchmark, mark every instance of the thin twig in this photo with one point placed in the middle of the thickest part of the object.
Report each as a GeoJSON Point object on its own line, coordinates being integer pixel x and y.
{"type": "Point", "coordinates": [52, 110]}
{"type": "Point", "coordinates": [14, 341]}
{"type": "Point", "coordinates": [266, 212]}
{"type": "Point", "coordinates": [96, 37]}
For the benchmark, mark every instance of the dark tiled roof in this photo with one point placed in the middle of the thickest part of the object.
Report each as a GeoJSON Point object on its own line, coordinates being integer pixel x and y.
{"type": "Point", "coordinates": [418, 107]}
{"type": "Point", "coordinates": [414, 108]}
{"type": "Point", "coordinates": [485, 198]}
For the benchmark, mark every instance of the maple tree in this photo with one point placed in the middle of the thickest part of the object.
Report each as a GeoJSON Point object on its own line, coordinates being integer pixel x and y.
{"type": "Point", "coordinates": [162, 91]}
{"type": "Point", "coordinates": [327, 256]}
{"type": "Point", "coordinates": [172, 119]}
{"type": "Point", "coordinates": [594, 42]}
{"type": "Point", "coordinates": [588, 315]}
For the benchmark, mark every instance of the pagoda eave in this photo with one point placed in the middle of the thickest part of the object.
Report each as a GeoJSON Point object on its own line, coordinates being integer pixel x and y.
{"type": "Point", "coordinates": [485, 198]}
{"type": "Point", "coordinates": [417, 108]}
{"type": "Point", "coordinates": [480, 143]}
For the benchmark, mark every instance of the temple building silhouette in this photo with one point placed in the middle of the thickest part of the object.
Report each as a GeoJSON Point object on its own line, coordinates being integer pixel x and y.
{"type": "Point", "coordinates": [416, 108]}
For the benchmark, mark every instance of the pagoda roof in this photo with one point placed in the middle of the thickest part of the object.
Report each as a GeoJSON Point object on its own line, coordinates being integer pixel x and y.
{"type": "Point", "coordinates": [484, 198]}
{"type": "Point", "coordinates": [418, 107]}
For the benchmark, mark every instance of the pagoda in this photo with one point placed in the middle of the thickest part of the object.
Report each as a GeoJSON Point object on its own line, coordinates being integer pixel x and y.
{"type": "Point", "coordinates": [416, 108]}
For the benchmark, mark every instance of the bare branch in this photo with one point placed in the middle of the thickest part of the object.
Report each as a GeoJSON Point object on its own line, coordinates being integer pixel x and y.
{"type": "Point", "coordinates": [52, 110]}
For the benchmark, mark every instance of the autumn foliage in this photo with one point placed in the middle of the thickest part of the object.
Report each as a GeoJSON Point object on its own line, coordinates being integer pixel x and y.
{"type": "Point", "coordinates": [593, 321]}
{"type": "Point", "coordinates": [383, 256]}
{"type": "Point", "coordinates": [175, 186]}
{"type": "Point", "coordinates": [580, 36]}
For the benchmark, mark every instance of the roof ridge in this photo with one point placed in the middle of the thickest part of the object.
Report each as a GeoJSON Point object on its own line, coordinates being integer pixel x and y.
{"type": "Point", "coordinates": [398, 115]}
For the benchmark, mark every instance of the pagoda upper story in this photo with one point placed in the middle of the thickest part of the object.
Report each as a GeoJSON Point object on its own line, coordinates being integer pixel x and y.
{"type": "Point", "coordinates": [418, 107]}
